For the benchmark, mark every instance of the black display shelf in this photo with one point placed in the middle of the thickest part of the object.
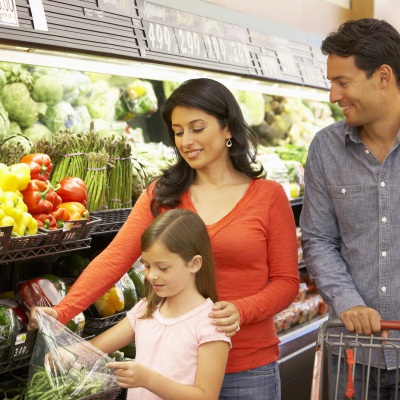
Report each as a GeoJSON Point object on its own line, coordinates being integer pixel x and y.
{"type": "Point", "coordinates": [44, 250]}
{"type": "Point", "coordinates": [110, 220]}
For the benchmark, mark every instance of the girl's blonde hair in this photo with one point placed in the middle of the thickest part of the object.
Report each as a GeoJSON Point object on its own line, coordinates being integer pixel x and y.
{"type": "Point", "coordinates": [184, 233]}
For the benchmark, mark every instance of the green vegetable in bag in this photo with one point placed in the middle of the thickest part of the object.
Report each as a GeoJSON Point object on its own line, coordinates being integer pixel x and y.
{"type": "Point", "coordinates": [8, 324]}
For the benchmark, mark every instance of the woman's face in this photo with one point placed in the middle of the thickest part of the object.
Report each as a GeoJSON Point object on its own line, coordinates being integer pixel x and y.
{"type": "Point", "coordinates": [199, 138]}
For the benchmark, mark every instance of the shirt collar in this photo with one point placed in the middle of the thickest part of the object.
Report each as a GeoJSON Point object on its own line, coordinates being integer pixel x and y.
{"type": "Point", "coordinates": [351, 135]}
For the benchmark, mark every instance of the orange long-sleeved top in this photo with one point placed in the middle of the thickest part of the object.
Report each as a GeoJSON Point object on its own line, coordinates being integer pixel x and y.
{"type": "Point", "coordinates": [255, 252]}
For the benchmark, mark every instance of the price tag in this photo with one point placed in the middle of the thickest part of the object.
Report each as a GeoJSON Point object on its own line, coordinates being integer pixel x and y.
{"type": "Point", "coordinates": [74, 225]}
{"type": "Point", "coordinates": [190, 43]}
{"type": "Point", "coordinates": [8, 13]}
{"type": "Point", "coordinates": [38, 15]}
{"type": "Point", "coordinates": [161, 38]}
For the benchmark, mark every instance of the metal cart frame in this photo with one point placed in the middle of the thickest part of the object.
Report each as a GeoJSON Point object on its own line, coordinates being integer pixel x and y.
{"type": "Point", "coordinates": [349, 347]}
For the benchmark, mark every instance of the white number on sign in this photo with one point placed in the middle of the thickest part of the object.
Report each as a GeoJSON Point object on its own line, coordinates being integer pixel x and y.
{"type": "Point", "coordinates": [189, 43]}
{"type": "Point", "coordinates": [160, 37]}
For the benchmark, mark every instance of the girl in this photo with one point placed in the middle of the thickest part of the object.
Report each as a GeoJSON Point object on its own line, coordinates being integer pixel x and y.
{"type": "Point", "coordinates": [179, 354]}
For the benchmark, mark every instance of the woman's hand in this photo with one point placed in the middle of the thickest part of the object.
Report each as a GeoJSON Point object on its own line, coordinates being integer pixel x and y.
{"type": "Point", "coordinates": [33, 324]}
{"type": "Point", "coordinates": [226, 317]}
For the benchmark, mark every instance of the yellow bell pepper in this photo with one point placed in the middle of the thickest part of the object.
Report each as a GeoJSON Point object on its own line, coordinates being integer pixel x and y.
{"type": "Point", "coordinates": [8, 180]}
{"type": "Point", "coordinates": [111, 302]}
{"type": "Point", "coordinates": [16, 214]}
{"type": "Point", "coordinates": [27, 225]}
{"type": "Point", "coordinates": [23, 172]}
{"type": "Point", "coordinates": [7, 221]}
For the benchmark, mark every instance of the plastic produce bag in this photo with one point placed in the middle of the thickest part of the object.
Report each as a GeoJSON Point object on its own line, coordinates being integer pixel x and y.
{"type": "Point", "coordinates": [63, 365]}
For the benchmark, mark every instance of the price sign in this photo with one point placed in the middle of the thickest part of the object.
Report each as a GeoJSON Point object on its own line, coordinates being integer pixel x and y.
{"type": "Point", "coordinates": [160, 37]}
{"type": "Point", "coordinates": [190, 43]}
{"type": "Point", "coordinates": [309, 73]}
{"type": "Point", "coordinates": [238, 53]}
{"type": "Point", "coordinates": [209, 47]}
{"type": "Point", "coordinates": [270, 66]}
{"type": "Point", "coordinates": [8, 13]}
{"type": "Point", "coordinates": [288, 63]}
{"type": "Point", "coordinates": [219, 48]}
{"type": "Point", "coordinates": [121, 7]}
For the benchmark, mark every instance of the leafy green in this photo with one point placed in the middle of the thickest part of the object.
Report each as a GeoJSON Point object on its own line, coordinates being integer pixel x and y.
{"type": "Point", "coordinates": [18, 103]}
{"type": "Point", "coordinates": [47, 89]}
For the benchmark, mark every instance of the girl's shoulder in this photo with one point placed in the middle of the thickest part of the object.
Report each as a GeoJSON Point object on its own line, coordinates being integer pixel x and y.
{"type": "Point", "coordinates": [139, 308]}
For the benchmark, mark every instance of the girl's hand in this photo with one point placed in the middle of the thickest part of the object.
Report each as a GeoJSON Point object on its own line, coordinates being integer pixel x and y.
{"type": "Point", "coordinates": [130, 374]}
{"type": "Point", "coordinates": [226, 317]}
{"type": "Point", "coordinates": [33, 324]}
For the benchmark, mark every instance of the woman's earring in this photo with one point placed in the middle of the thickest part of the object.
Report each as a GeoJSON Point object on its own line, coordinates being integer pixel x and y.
{"type": "Point", "coordinates": [229, 143]}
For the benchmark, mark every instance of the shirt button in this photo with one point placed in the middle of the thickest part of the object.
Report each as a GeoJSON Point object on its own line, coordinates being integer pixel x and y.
{"type": "Point", "coordinates": [366, 151]}
{"type": "Point", "coordinates": [383, 184]}
{"type": "Point", "coordinates": [383, 289]}
{"type": "Point", "coordinates": [343, 191]}
{"type": "Point", "coordinates": [384, 254]}
{"type": "Point", "coordinates": [384, 219]}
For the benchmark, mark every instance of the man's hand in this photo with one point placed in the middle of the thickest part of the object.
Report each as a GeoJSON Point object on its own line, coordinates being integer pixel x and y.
{"type": "Point", "coordinates": [362, 320]}
{"type": "Point", "coordinates": [33, 324]}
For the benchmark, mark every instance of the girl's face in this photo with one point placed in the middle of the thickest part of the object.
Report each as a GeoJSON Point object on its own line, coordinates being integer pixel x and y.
{"type": "Point", "coordinates": [199, 138]}
{"type": "Point", "coordinates": [167, 272]}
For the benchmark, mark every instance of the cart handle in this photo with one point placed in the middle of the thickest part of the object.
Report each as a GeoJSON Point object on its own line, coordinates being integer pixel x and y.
{"type": "Point", "coordinates": [337, 323]}
{"type": "Point", "coordinates": [388, 325]}
{"type": "Point", "coordinates": [385, 324]}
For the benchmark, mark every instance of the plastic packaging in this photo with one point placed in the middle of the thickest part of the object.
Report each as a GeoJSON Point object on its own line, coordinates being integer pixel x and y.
{"type": "Point", "coordinates": [63, 365]}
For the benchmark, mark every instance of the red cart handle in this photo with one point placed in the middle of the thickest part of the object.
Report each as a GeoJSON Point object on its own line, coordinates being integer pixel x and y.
{"type": "Point", "coordinates": [388, 325]}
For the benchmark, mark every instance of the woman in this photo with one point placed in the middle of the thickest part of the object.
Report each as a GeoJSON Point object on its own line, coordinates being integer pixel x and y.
{"type": "Point", "coordinates": [250, 223]}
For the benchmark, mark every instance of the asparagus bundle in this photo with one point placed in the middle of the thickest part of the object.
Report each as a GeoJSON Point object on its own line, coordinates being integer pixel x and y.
{"type": "Point", "coordinates": [119, 176]}
{"type": "Point", "coordinates": [96, 181]}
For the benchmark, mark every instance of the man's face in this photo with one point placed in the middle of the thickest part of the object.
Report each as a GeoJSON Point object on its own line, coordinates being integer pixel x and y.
{"type": "Point", "coordinates": [359, 97]}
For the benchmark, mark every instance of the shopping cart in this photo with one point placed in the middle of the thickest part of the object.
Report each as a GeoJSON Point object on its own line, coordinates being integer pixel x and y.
{"type": "Point", "coordinates": [346, 347]}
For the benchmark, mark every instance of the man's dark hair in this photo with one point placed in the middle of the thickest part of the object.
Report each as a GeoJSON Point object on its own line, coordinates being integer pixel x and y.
{"type": "Point", "coordinates": [372, 42]}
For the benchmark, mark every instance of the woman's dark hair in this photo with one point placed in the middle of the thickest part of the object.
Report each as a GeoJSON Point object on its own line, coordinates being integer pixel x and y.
{"type": "Point", "coordinates": [372, 42]}
{"type": "Point", "coordinates": [184, 233]}
{"type": "Point", "coordinates": [215, 99]}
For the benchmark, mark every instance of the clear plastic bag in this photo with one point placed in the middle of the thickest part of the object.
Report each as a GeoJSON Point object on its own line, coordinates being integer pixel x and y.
{"type": "Point", "coordinates": [65, 366]}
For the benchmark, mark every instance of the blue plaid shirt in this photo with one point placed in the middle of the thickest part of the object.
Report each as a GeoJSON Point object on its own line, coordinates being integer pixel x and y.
{"type": "Point", "coordinates": [350, 224]}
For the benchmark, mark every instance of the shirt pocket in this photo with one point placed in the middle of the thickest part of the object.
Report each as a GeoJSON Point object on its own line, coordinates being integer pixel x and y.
{"type": "Point", "coordinates": [349, 203]}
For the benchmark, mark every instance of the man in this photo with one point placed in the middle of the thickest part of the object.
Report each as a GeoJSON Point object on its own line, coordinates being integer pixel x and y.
{"type": "Point", "coordinates": [351, 213]}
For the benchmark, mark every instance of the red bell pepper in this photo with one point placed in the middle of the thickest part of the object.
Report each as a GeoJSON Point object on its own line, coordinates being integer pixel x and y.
{"type": "Point", "coordinates": [45, 221]}
{"type": "Point", "coordinates": [61, 216]}
{"type": "Point", "coordinates": [40, 165]}
{"type": "Point", "coordinates": [40, 197]}
{"type": "Point", "coordinates": [76, 210]}
{"type": "Point", "coordinates": [73, 188]}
